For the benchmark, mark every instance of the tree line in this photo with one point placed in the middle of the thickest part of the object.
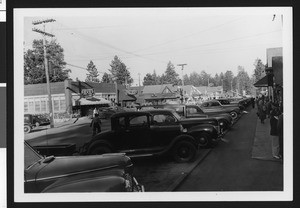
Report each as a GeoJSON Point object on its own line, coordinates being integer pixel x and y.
{"type": "Point", "coordinates": [34, 71]}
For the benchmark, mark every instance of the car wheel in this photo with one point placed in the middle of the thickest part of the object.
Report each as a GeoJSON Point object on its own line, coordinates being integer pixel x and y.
{"type": "Point", "coordinates": [184, 151]}
{"type": "Point", "coordinates": [233, 114]}
{"type": "Point", "coordinates": [100, 150]}
{"type": "Point", "coordinates": [27, 129]}
{"type": "Point", "coordinates": [37, 124]}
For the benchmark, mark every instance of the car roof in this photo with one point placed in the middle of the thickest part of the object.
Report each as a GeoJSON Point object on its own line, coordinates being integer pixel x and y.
{"type": "Point", "coordinates": [160, 110]}
{"type": "Point", "coordinates": [129, 113]}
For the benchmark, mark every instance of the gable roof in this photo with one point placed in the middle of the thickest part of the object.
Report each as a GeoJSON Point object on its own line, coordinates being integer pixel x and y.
{"type": "Point", "coordinates": [41, 89]}
{"type": "Point", "coordinates": [205, 89]}
{"type": "Point", "coordinates": [98, 87]}
{"type": "Point", "coordinates": [150, 89]}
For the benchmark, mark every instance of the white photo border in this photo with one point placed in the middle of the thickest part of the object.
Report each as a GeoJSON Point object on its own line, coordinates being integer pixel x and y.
{"type": "Point", "coordinates": [20, 196]}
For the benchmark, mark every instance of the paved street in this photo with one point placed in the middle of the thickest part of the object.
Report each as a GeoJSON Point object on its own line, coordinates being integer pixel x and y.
{"type": "Point", "coordinates": [241, 163]}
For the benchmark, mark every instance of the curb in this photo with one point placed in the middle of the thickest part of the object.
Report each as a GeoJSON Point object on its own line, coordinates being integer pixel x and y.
{"type": "Point", "coordinates": [185, 174]}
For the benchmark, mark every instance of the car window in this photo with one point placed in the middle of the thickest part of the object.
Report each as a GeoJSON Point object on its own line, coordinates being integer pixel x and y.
{"type": "Point", "coordinates": [138, 121]}
{"type": "Point", "coordinates": [30, 156]}
{"type": "Point", "coordinates": [205, 104]}
{"type": "Point", "coordinates": [215, 104]}
{"type": "Point", "coordinates": [122, 123]}
{"type": "Point", "coordinates": [163, 119]}
{"type": "Point", "coordinates": [191, 110]}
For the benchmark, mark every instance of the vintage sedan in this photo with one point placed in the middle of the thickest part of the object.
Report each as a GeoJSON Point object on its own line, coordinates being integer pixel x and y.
{"type": "Point", "coordinates": [194, 111]}
{"type": "Point", "coordinates": [227, 102]}
{"type": "Point", "coordinates": [96, 173]}
{"type": "Point", "coordinates": [145, 133]}
{"type": "Point", "coordinates": [215, 107]}
{"type": "Point", "coordinates": [34, 121]}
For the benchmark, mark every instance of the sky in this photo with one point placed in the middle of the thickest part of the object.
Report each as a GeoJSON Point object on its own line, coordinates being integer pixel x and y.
{"type": "Point", "coordinates": [213, 40]}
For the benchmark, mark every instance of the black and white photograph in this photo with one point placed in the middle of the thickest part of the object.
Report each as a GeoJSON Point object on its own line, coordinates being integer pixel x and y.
{"type": "Point", "coordinates": [169, 104]}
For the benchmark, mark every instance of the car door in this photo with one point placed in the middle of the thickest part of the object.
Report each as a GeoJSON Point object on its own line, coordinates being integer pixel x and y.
{"type": "Point", "coordinates": [164, 128]}
{"type": "Point", "coordinates": [137, 133]}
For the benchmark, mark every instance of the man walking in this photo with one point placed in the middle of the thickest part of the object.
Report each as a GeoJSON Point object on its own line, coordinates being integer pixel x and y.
{"type": "Point", "coordinates": [95, 124]}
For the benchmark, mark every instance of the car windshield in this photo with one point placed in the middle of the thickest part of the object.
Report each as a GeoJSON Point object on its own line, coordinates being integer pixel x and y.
{"type": "Point", "coordinates": [176, 115]}
{"type": "Point", "coordinates": [31, 156]}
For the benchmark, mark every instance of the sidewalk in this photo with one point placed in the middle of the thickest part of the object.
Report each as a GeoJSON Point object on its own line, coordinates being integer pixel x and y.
{"type": "Point", "coordinates": [262, 145]}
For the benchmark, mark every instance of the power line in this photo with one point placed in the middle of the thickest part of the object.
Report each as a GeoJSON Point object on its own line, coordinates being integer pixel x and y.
{"type": "Point", "coordinates": [95, 40]}
{"type": "Point", "coordinates": [186, 36]}
{"type": "Point", "coordinates": [214, 43]}
{"type": "Point", "coordinates": [80, 67]}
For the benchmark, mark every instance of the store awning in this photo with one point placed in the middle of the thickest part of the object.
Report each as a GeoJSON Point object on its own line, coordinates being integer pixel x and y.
{"type": "Point", "coordinates": [263, 82]}
{"type": "Point", "coordinates": [93, 101]}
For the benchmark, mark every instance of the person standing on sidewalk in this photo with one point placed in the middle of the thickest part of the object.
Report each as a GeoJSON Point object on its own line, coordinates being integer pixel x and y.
{"type": "Point", "coordinates": [253, 102]}
{"type": "Point", "coordinates": [262, 110]}
{"type": "Point", "coordinates": [280, 134]}
{"type": "Point", "coordinates": [95, 111]}
{"type": "Point", "coordinates": [274, 113]}
{"type": "Point", "coordinates": [96, 124]}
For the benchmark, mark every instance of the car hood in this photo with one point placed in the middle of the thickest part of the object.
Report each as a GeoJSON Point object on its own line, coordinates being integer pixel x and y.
{"type": "Point", "coordinates": [189, 121]}
{"type": "Point", "coordinates": [75, 165]}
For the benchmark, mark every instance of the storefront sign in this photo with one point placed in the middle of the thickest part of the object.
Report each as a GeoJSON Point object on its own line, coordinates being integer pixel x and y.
{"type": "Point", "coordinates": [87, 93]}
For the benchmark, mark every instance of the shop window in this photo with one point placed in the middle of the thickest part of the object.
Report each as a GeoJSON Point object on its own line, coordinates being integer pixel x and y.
{"type": "Point", "coordinates": [31, 107]}
{"type": "Point", "coordinates": [62, 104]}
{"type": "Point", "coordinates": [37, 106]}
{"type": "Point", "coordinates": [43, 106]}
{"type": "Point", "coordinates": [25, 107]}
{"type": "Point", "coordinates": [56, 105]}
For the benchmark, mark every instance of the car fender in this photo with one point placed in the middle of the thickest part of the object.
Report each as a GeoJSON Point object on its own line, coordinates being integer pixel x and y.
{"type": "Point", "coordinates": [98, 184]}
{"type": "Point", "coordinates": [96, 143]}
{"type": "Point", "coordinates": [202, 128]}
{"type": "Point", "coordinates": [182, 137]}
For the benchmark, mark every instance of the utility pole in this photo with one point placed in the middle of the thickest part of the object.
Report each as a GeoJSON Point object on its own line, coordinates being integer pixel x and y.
{"type": "Point", "coordinates": [44, 33]}
{"type": "Point", "coordinates": [139, 79]}
{"type": "Point", "coordinates": [182, 66]}
{"type": "Point", "coordinates": [231, 86]}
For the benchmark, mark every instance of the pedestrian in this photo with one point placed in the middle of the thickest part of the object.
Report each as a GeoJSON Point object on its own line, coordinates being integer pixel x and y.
{"type": "Point", "coordinates": [253, 102]}
{"type": "Point", "coordinates": [262, 110]}
{"type": "Point", "coordinates": [96, 124]}
{"type": "Point", "coordinates": [280, 133]}
{"type": "Point", "coordinates": [274, 113]}
{"type": "Point", "coordinates": [268, 106]}
{"type": "Point", "coordinates": [95, 111]}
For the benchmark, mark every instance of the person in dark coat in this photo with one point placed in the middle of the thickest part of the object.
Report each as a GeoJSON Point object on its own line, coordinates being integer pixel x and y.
{"type": "Point", "coordinates": [253, 102]}
{"type": "Point", "coordinates": [274, 113]}
{"type": "Point", "coordinates": [280, 134]}
{"type": "Point", "coordinates": [262, 109]}
{"type": "Point", "coordinates": [96, 124]}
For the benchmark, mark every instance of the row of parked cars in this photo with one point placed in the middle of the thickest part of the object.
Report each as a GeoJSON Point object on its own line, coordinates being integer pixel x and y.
{"type": "Point", "coordinates": [104, 163]}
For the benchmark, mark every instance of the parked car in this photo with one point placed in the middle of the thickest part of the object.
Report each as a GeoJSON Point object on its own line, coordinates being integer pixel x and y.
{"type": "Point", "coordinates": [227, 102]}
{"type": "Point", "coordinates": [245, 102]}
{"type": "Point", "coordinates": [33, 121]}
{"type": "Point", "coordinates": [96, 173]}
{"type": "Point", "coordinates": [106, 113]}
{"type": "Point", "coordinates": [206, 131]}
{"type": "Point", "coordinates": [215, 107]}
{"type": "Point", "coordinates": [142, 133]}
{"type": "Point", "coordinates": [194, 111]}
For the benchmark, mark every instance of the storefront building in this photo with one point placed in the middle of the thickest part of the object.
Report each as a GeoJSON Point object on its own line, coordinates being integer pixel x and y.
{"type": "Point", "coordinates": [68, 96]}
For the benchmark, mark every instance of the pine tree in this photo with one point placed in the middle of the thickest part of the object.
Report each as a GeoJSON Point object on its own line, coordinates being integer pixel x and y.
{"type": "Point", "coordinates": [93, 74]}
{"type": "Point", "coordinates": [120, 72]}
